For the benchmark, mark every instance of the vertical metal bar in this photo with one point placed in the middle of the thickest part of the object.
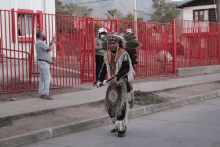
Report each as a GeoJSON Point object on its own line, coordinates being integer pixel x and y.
{"type": "Point", "coordinates": [64, 34]}
{"type": "Point", "coordinates": [70, 49]}
{"type": "Point", "coordinates": [18, 50]}
{"type": "Point", "coordinates": [87, 48]}
{"type": "Point", "coordinates": [56, 17]}
{"type": "Point", "coordinates": [210, 49]}
{"type": "Point", "coordinates": [49, 26]}
{"type": "Point", "coordinates": [26, 46]}
{"type": "Point", "coordinates": [23, 43]}
{"type": "Point", "coordinates": [6, 50]}
{"type": "Point", "coordinates": [29, 61]}
{"type": "Point", "coordinates": [174, 47]}
{"type": "Point", "coordinates": [61, 65]}
{"type": "Point", "coordinates": [3, 80]}
{"type": "Point", "coordinates": [155, 48]}
{"type": "Point", "coordinates": [84, 46]}
{"type": "Point", "coordinates": [116, 26]}
{"type": "Point", "coordinates": [140, 50]}
{"type": "Point", "coordinates": [53, 55]}
{"type": "Point", "coordinates": [68, 52]}
{"type": "Point", "coordinates": [58, 53]}
{"type": "Point", "coordinates": [6, 42]}
{"type": "Point", "coordinates": [10, 44]}
{"type": "Point", "coordinates": [32, 52]}
{"type": "Point", "coordinates": [93, 50]}
{"type": "Point", "coordinates": [13, 31]}
{"type": "Point", "coordinates": [146, 47]}
{"type": "Point", "coordinates": [78, 48]}
{"type": "Point", "coordinates": [72, 46]}
{"type": "Point", "coordinates": [75, 38]}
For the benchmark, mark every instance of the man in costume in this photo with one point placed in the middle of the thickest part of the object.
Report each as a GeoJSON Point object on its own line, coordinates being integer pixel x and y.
{"type": "Point", "coordinates": [118, 66]}
{"type": "Point", "coordinates": [99, 52]}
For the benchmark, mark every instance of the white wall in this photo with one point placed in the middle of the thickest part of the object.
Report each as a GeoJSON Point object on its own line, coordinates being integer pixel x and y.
{"type": "Point", "coordinates": [188, 15]}
{"type": "Point", "coordinates": [46, 6]}
{"type": "Point", "coordinates": [188, 11]}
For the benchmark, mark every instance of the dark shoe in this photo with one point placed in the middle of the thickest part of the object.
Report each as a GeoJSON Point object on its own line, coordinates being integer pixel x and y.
{"type": "Point", "coordinates": [122, 133]}
{"type": "Point", "coordinates": [47, 97]}
{"type": "Point", "coordinates": [113, 130]}
{"type": "Point", "coordinates": [41, 96]}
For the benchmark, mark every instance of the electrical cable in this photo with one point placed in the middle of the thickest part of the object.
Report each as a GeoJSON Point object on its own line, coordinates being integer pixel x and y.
{"type": "Point", "coordinates": [92, 2]}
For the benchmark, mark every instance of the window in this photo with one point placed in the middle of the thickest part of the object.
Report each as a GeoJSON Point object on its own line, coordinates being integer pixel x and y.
{"type": "Point", "coordinates": [24, 24]}
{"type": "Point", "coordinates": [203, 15]}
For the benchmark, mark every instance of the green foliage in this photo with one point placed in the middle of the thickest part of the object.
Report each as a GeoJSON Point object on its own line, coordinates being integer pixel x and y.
{"type": "Point", "coordinates": [164, 12]}
{"type": "Point", "coordinates": [72, 9]}
{"type": "Point", "coordinates": [60, 9]}
{"type": "Point", "coordinates": [131, 17]}
{"type": "Point", "coordinates": [114, 14]}
{"type": "Point", "coordinates": [140, 19]}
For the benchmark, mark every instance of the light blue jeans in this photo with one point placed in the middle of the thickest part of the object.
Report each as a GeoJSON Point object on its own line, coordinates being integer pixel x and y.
{"type": "Point", "coordinates": [45, 78]}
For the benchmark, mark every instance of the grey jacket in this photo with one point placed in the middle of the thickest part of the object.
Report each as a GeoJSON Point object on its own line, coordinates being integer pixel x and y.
{"type": "Point", "coordinates": [98, 47]}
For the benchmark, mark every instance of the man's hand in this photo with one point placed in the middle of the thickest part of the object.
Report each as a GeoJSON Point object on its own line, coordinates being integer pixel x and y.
{"type": "Point", "coordinates": [50, 49]}
{"type": "Point", "coordinates": [98, 84]}
{"type": "Point", "coordinates": [52, 42]}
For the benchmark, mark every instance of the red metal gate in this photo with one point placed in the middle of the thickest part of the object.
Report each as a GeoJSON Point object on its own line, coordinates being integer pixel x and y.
{"type": "Point", "coordinates": [197, 43]}
{"type": "Point", "coordinates": [156, 41]}
{"type": "Point", "coordinates": [73, 55]}
{"type": "Point", "coordinates": [156, 51]}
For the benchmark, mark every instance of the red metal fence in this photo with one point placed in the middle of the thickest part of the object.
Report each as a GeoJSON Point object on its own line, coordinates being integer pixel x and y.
{"type": "Point", "coordinates": [163, 47]}
{"type": "Point", "coordinates": [197, 43]}
{"type": "Point", "coordinates": [156, 41]}
{"type": "Point", "coordinates": [73, 56]}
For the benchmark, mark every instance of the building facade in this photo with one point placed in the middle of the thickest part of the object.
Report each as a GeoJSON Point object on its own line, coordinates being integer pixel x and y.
{"type": "Point", "coordinates": [19, 22]}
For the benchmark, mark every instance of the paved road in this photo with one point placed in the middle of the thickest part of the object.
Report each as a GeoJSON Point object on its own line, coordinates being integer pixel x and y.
{"type": "Point", "coordinates": [196, 125]}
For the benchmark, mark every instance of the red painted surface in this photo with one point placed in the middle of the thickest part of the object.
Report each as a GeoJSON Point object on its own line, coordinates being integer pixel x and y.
{"type": "Point", "coordinates": [197, 43]}
{"type": "Point", "coordinates": [163, 48]}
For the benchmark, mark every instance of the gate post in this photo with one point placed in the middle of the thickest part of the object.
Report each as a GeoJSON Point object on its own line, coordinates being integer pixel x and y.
{"type": "Point", "coordinates": [146, 47]}
{"type": "Point", "coordinates": [174, 46]}
{"type": "Point", "coordinates": [32, 52]}
{"type": "Point", "coordinates": [92, 28]}
{"type": "Point", "coordinates": [218, 43]}
{"type": "Point", "coordinates": [116, 26]}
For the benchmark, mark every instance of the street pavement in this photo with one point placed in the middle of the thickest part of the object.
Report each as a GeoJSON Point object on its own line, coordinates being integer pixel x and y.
{"type": "Point", "coordinates": [195, 125]}
{"type": "Point", "coordinates": [94, 94]}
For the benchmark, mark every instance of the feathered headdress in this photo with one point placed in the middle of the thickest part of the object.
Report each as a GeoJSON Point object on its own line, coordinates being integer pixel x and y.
{"type": "Point", "coordinates": [126, 41]}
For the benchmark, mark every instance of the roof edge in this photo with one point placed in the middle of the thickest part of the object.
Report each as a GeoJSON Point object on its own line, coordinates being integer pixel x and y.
{"type": "Point", "coordinates": [181, 5]}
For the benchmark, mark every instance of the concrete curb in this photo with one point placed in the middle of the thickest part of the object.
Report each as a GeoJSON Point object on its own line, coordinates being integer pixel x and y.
{"type": "Point", "coordinates": [80, 126]}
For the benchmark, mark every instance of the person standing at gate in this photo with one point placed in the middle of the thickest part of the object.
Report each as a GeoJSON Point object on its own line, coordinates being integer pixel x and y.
{"type": "Point", "coordinates": [44, 59]}
{"type": "Point", "coordinates": [99, 51]}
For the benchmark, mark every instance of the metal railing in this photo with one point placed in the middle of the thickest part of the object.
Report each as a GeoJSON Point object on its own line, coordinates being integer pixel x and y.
{"type": "Point", "coordinates": [163, 47]}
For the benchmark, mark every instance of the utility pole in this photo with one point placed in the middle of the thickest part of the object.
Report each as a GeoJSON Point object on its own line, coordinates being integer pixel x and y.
{"type": "Point", "coordinates": [135, 17]}
{"type": "Point", "coordinates": [218, 11]}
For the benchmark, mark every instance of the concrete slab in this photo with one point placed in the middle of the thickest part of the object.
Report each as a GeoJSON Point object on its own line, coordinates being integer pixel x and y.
{"type": "Point", "coordinates": [192, 71]}
{"type": "Point", "coordinates": [95, 94]}
{"type": "Point", "coordinates": [11, 110]}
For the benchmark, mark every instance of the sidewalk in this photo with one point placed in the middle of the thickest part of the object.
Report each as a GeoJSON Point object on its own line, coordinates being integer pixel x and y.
{"type": "Point", "coordinates": [95, 94]}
